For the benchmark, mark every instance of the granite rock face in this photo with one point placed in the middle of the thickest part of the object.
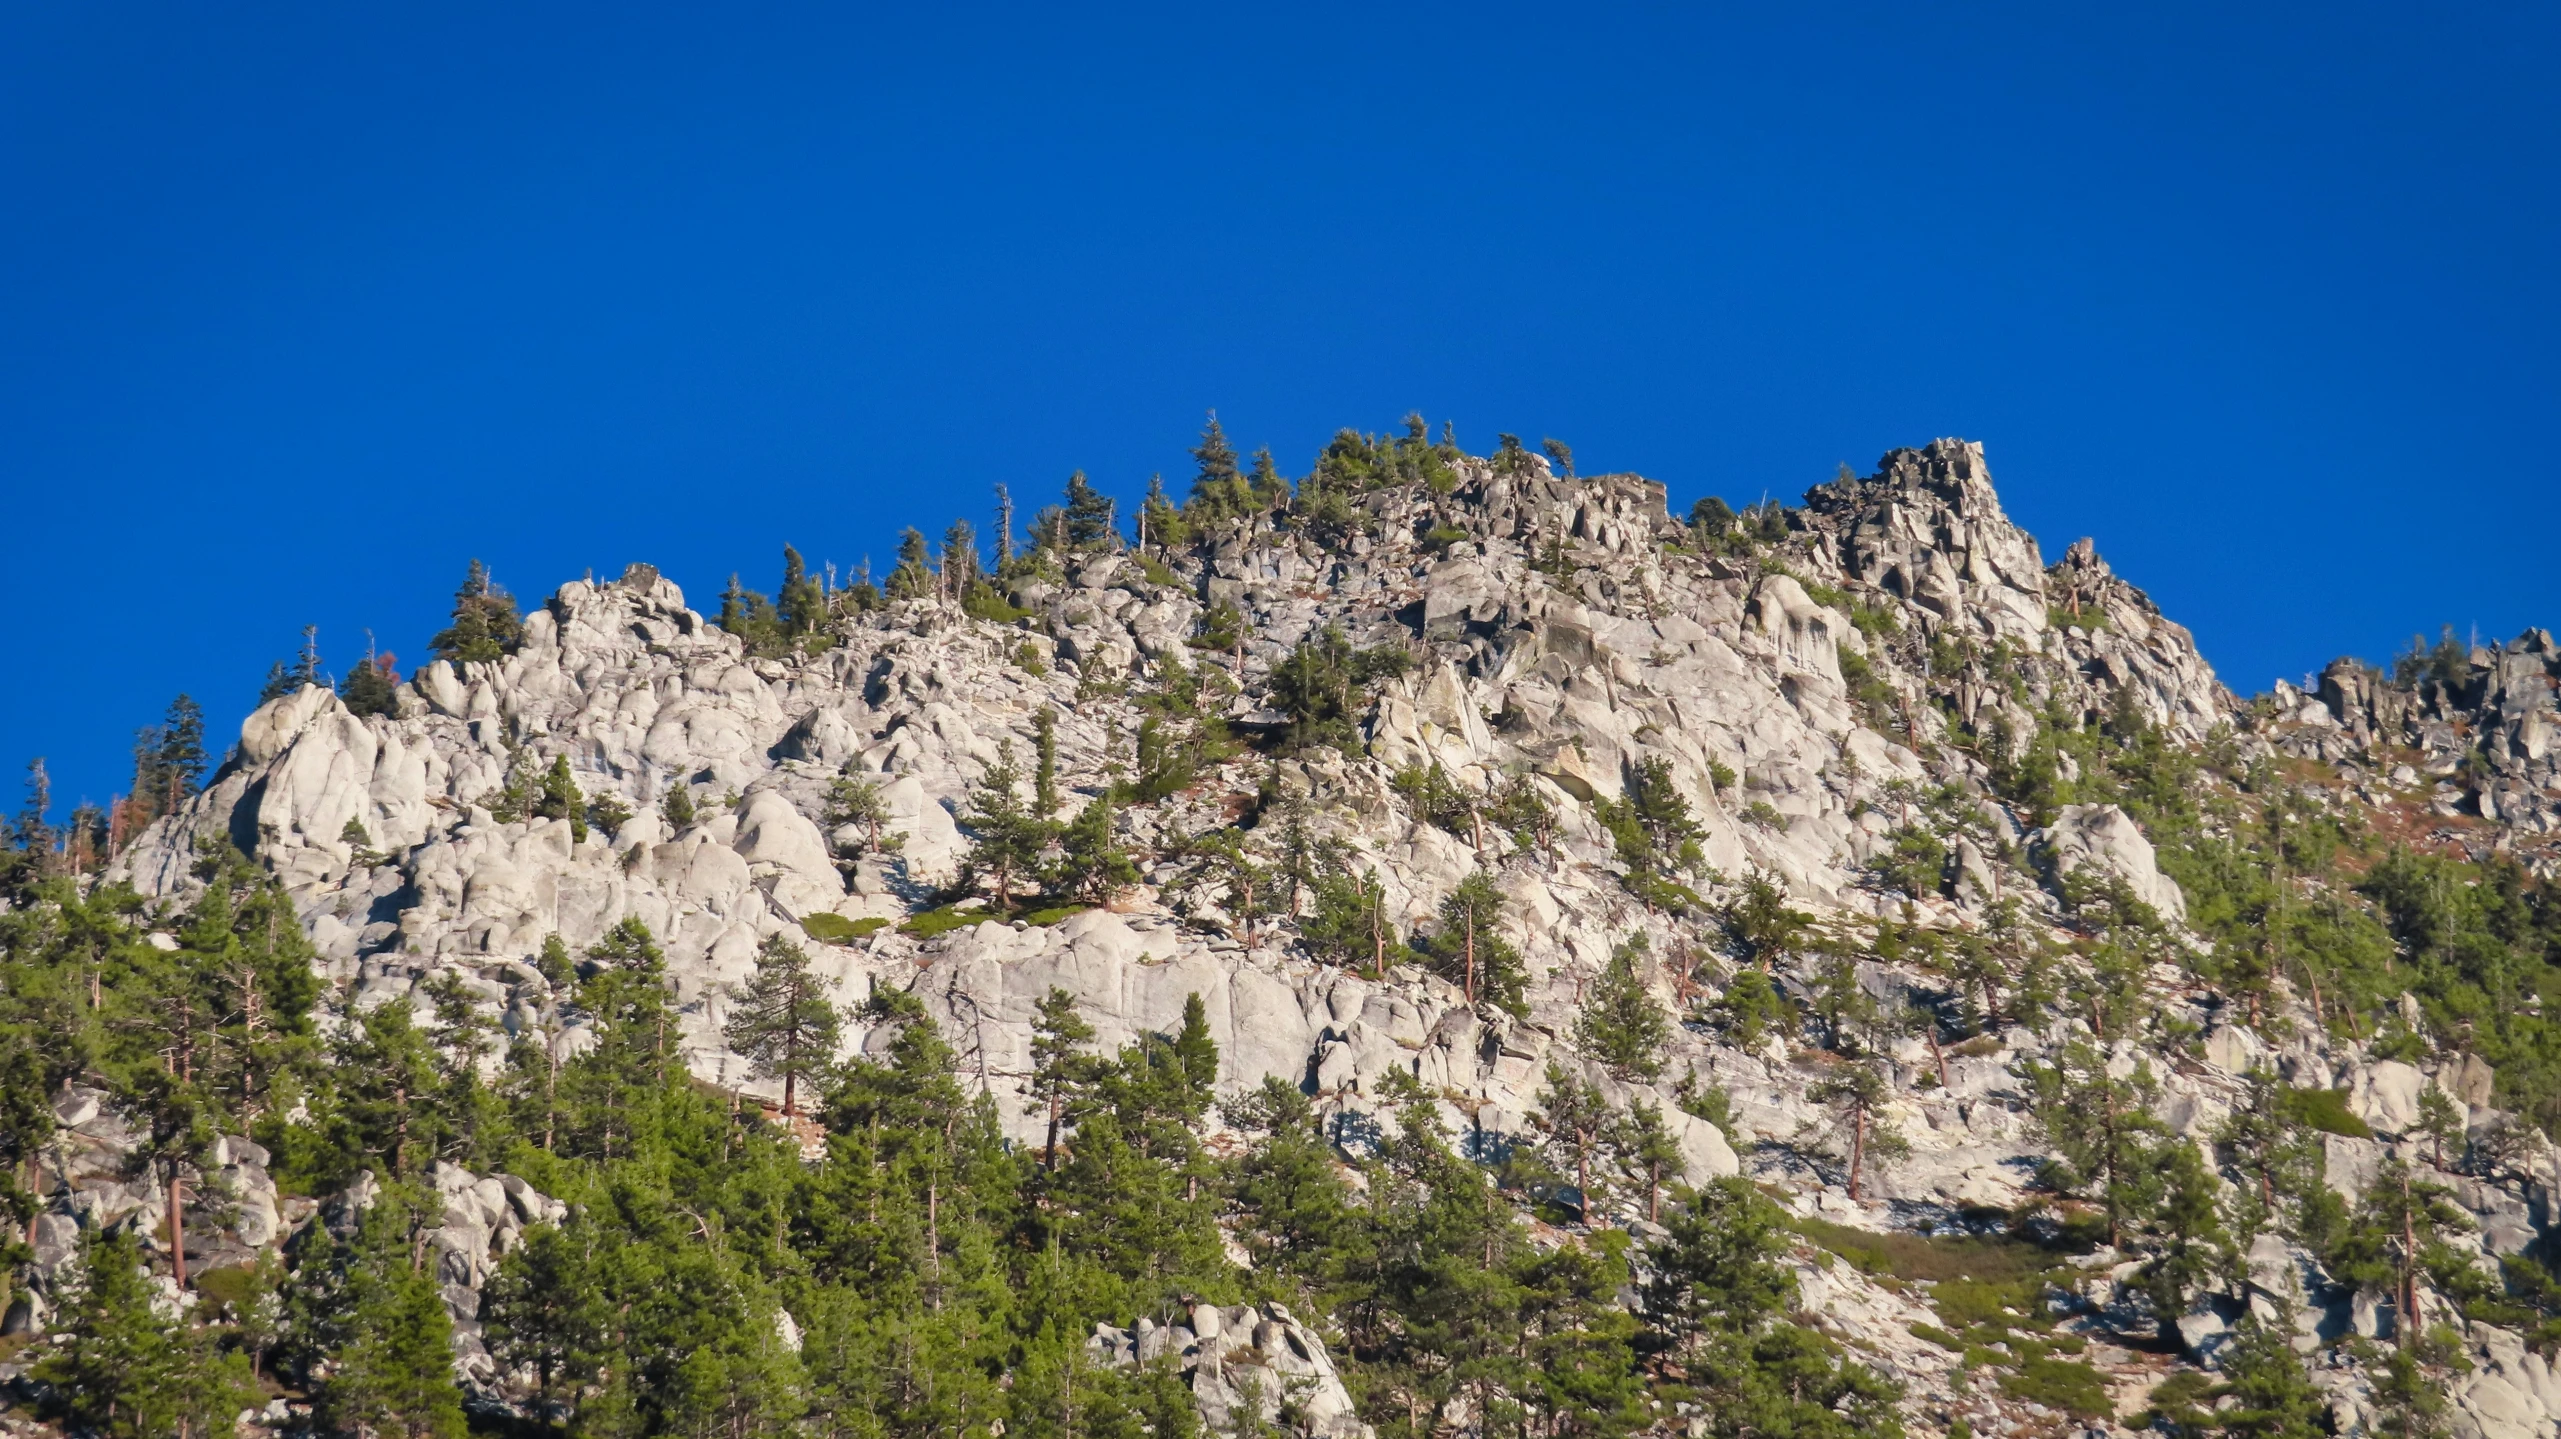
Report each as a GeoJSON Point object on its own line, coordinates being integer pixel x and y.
{"type": "Point", "coordinates": [1576, 637]}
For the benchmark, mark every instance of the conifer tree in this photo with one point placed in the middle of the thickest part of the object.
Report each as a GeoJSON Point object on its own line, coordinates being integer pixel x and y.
{"type": "Point", "coordinates": [1349, 924]}
{"type": "Point", "coordinates": [123, 1370]}
{"type": "Point", "coordinates": [801, 603]}
{"type": "Point", "coordinates": [371, 688]}
{"type": "Point", "coordinates": [2272, 1398]}
{"type": "Point", "coordinates": [959, 559]}
{"type": "Point", "coordinates": [1045, 763]}
{"type": "Point", "coordinates": [485, 625]}
{"type": "Point", "coordinates": [1216, 490]}
{"type": "Point", "coordinates": [1622, 1028]}
{"type": "Point", "coordinates": [1469, 948]}
{"type": "Point", "coordinates": [780, 1020]}
{"type": "Point", "coordinates": [395, 1373]}
{"type": "Point", "coordinates": [914, 577]}
{"type": "Point", "coordinates": [1059, 1064]}
{"type": "Point", "coordinates": [1855, 1093]}
{"type": "Point", "coordinates": [543, 1309]}
{"type": "Point", "coordinates": [1578, 1125]}
{"type": "Point", "coordinates": [559, 799]}
{"type": "Point", "coordinates": [1159, 523]}
{"type": "Point", "coordinates": [1644, 1145]}
{"type": "Point", "coordinates": [2101, 1126]}
{"type": "Point", "coordinates": [1267, 485]}
{"type": "Point", "coordinates": [1005, 839]}
{"type": "Point", "coordinates": [854, 799]}
{"type": "Point", "coordinates": [1088, 516]}
{"type": "Point", "coordinates": [1561, 453]}
{"type": "Point", "coordinates": [1092, 865]}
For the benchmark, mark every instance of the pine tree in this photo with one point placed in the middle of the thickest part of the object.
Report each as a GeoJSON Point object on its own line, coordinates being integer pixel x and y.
{"type": "Point", "coordinates": [1643, 1144]}
{"type": "Point", "coordinates": [1093, 866]}
{"type": "Point", "coordinates": [1059, 1064]}
{"type": "Point", "coordinates": [395, 1373]}
{"type": "Point", "coordinates": [1268, 486]}
{"type": "Point", "coordinates": [1578, 1125]}
{"type": "Point", "coordinates": [1088, 521]}
{"type": "Point", "coordinates": [1349, 924]}
{"type": "Point", "coordinates": [853, 799]}
{"type": "Point", "coordinates": [371, 688]}
{"type": "Point", "coordinates": [1622, 1028]}
{"type": "Point", "coordinates": [801, 603]}
{"type": "Point", "coordinates": [959, 559]}
{"type": "Point", "coordinates": [2101, 1126]}
{"type": "Point", "coordinates": [2272, 1398]}
{"type": "Point", "coordinates": [914, 577]}
{"type": "Point", "coordinates": [1855, 1093]}
{"type": "Point", "coordinates": [559, 799]}
{"type": "Point", "coordinates": [1045, 763]}
{"type": "Point", "coordinates": [1005, 840]}
{"type": "Point", "coordinates": [485, 625]}
{"type": "Point", "coordinates": [1469, 949]}
{"type": "Point", "coordinates": [1159, 523]}
{"type": "Point", "coordinates": [123, 1370]}
{"type": "Point", "coordinates": [1561, 453]}
{"type": "Point", "coordinates": [780, 1021]}
{"type": "Point", "coordinates": [544, 1310]}
{"type": "Point", "coordinates": [1216, 490]}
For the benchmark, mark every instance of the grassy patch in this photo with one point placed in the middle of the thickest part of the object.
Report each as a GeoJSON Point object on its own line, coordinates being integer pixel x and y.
{"type": "Point", "coordinates": [942, 921]}
{"type": "Point", "coordinates": [2325, 1110]}
{"type": "Point", "coordinates": [2065, 1384]}
{"type": "Point", "coordinates": [233, 1287]}
{"type": "Point", "coordinates": [1054, 913]}
{"type": "Point", "coordinates": [1923, 1256]}
{"type": "Point", "coordinates": [836, 929]}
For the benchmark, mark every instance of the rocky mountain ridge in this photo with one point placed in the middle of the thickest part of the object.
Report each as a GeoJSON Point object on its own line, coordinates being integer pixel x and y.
{"type": "Point", "coordinates": [1836, 694]}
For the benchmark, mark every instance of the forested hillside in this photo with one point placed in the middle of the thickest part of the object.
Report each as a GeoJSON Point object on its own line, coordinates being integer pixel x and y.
{"type": "Point", "coordinates": [1437, 945]}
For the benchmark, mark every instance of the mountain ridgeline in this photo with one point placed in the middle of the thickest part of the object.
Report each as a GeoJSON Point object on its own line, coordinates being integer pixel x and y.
{"type": "Point", "coordinates": [1437, 946]}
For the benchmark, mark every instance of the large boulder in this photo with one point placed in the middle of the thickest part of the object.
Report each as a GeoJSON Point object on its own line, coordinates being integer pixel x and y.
{"type": "Point", "coordinates": [2105, 840]}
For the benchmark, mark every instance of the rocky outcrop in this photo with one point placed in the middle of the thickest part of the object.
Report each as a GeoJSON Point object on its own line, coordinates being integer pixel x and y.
{"type": "Point", "coordinates": [1244, 1365]}
{"type": "Point", "coordinates": [2103, 841]}
{"type": "Point", "coordinates": [2461, 733]}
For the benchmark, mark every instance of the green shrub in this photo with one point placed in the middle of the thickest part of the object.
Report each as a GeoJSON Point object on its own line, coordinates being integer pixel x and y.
{"type": "Point", "coordinates": [1027, 659]}
{"type": "Point", "coordinates": [982, 601]}
{"type": "Point", "coordinates": [2065, 1384]}
{"type": "Point", "coordinates": [2325, 1110]}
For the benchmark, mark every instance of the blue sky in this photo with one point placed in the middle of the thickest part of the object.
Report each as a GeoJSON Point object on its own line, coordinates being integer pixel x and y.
{"type": "Point", "coordinates": [307, 307]}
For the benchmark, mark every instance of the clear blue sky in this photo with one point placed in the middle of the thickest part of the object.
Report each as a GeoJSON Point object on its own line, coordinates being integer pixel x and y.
{"type": "Point", "coordinates": [306, 305]}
